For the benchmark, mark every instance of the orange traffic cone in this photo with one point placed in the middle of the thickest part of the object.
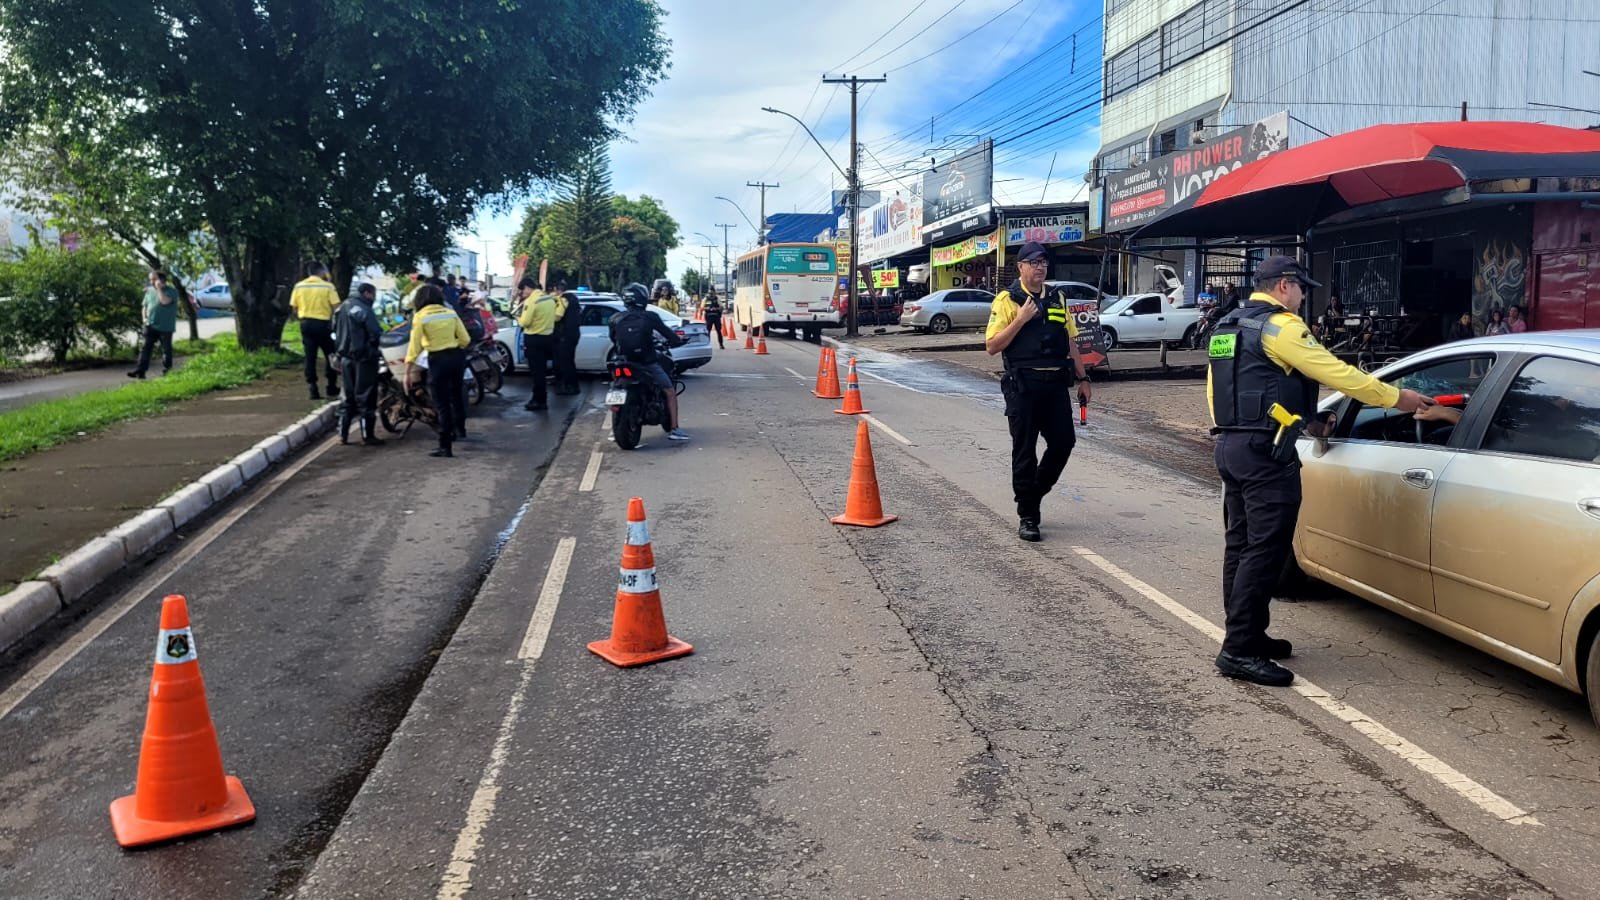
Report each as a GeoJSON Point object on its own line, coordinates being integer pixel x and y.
{"type": "Point", "coordinates": [638, 629]}
{"type": "Point", "coordinates": [862, 506]}
{"type": "Point", "coordinates": [852, 394]}
{"type": "Point", "coordinates": [749, 337]}
{"type": "Point", "coordinates": [828, 383]}
{"type": "Point", "coordinates": [761, 344]}
{"type": "Point", "coordinates": [822, 371]}
{"type": "Point", "coordinates": [727, 330]}
{"type": "Point", "coordinates": [181, 789]}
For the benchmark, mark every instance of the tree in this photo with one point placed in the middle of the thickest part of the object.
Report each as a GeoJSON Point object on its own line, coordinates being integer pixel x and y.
{"type": "Point", "coordinates": [646, 237]}
{"type": "Point", "coordinates": [310, 125]}
{"type": "Point", "coordinates": [692, 282]}
{"type": "Point", "coordinates": [577, 233]}
{"type": "Point", "coordinates": [61, 299]}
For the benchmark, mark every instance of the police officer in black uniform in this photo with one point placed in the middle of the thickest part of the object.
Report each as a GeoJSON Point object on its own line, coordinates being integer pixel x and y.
{"type": "Point", "coordinates": [356, 333]}
{"type": "Point", "coordinates": [1262, 354]}
{"type": "Point", "coordinates": [1033, 330]}
{"type": "Point", "coordinates": [713, 311]}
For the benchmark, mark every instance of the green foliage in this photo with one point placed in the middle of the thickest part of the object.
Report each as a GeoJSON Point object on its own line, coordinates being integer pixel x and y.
{"type": "Point", "coordinates": [644, 232]}
{"type": "Point", "coordinates": [60, 299]}
{"type": "Point", "coordinates": [43, 425]}
{"type": "Point", "coordinates": [295, 126]}
{"type": "Point", "coordinates": [577, 232]}
{"type": "Point", "coordinates": [691, 282]}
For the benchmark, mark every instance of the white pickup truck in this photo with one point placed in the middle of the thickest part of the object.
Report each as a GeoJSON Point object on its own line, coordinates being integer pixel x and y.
{"type": "Point", "coordinates": [1148, 319]}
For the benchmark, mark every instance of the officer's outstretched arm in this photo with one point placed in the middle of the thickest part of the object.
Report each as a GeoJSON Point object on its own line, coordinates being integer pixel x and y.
{"type": "Point", "coordinates": [1288, 341]}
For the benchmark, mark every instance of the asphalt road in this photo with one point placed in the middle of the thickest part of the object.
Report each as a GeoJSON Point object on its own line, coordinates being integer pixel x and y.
{"type": "Point", "coordinates": [929, 709]}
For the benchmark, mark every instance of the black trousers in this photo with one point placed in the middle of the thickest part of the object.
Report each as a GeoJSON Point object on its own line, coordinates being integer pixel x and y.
{"type": "Point", "coordinates": [360, 394]}
{"type": "Point", "coordinates": [152, 337]}
{"type": "Point", "coordinates": [1038, 406]}
{"type": "Point", "coordinates": [317, 334]}
{"type": "Point", "coordinates": [566, 349]}
{"type": "Point", "coordinates": [446, 368]}
{"type": "Point", "coordinates": [539, 350]}
{"type": "Point", "coordinates": [1260, 503]}
{"type": "Point", "coordinates": [714, 322]}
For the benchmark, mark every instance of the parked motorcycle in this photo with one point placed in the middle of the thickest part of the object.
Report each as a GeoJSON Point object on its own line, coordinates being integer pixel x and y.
{"type": "Point", "coordinates": [634, 399]}
{"type": "Point", "coordinates": [399, 409]}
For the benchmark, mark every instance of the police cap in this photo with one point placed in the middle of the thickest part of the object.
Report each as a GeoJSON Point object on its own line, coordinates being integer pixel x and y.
{"type": "Point", "coordinates": [1275, 267]}
{"type": "Point", "coordinates": [1031, 251]}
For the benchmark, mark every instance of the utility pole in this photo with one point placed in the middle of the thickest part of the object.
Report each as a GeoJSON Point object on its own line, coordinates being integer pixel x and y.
{"type": "Point", "coordinates": [711, 250]}
{"type": "Point", "coordinates": [725, 256]}
{"type": "Point", "coordinates": [761, 233]}
{"type": "Point", "coordinates": [852, 326]}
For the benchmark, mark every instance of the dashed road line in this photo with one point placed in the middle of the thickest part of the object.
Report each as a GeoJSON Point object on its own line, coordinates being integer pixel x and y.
{"type": "Point", "coordinates": [592, 473]}
{"type": "Point", "coordinates": [544, 609]}
{"type": "Point", "coordinates": [1422, 760]}
{"type": "Point", "coordinates": [887, 430]}
{"type": "Point", "coordinates": [794, 373]}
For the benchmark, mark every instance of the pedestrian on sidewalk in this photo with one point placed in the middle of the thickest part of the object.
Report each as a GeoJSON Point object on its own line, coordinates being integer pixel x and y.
{"type": "Point", "coordinates": [538, 323]}
{"type": "Point", "coordinates": [356, 334]}
{"type": "Point", "coordinates": [1033, 329]}
{"type": "Point", "coordinates": [1263, 355]}
{"type": "Point", "coordinates": [160, 321]}
{"type": "Point", "coordinates": [314, 301]}
{"type": "Point", "coordinates": [438, 331]}
{"type": "Point", "coordinates": [569, 322]}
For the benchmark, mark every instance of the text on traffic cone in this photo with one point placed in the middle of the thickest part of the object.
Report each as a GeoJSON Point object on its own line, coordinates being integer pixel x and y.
{"type": "Point", "coordinates": [638, 628]}
{"type": "Point", "coordinates": [181, 789]}
{"type": "Point", "coordinates": [862, 506]}
{"type": "Point", "coordinates": [852, 394]}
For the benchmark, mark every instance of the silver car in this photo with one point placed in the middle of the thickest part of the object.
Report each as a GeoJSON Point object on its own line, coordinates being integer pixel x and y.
{"type": "Point", "coordinates": [594, 336]}
{"type": "Point", "coordinates": [1482, 521]}
{"type": "Point", "coordinates": [941, 311]}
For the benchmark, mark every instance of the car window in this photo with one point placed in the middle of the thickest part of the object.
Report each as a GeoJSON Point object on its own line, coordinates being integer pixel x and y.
{"type": "Point", "coordinates": [1453, 382]}
{"type": "Point", "coordinates": [595, 314]}
{"type": "Point", "coordinates": [1145, 306]}
{"type": "Point", "coordinates": [1552, 408]}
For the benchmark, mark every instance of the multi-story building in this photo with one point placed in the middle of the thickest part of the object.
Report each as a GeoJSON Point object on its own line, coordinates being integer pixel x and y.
{"type": "Point", "coordinates": [1178, 72]}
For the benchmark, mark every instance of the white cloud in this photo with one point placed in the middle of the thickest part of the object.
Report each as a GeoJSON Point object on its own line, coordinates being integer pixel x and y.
{"type": "Point", "coordinates": [702, 133]}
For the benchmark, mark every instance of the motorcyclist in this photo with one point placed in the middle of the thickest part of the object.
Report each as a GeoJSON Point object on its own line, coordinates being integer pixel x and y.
{"type": "Point", "coordinates": [632, 336]}
{"type": "Point", "coordinates": [356, 334]}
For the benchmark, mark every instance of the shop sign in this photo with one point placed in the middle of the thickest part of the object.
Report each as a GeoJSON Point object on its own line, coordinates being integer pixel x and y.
{"type": "Point", "coordinates": [967, 249]}
{"type": "Point", "coordinates": [886, 278]}
{"type": "Point", "coordinates": [959, 189]}
{"type": "Point", "coordinates": [890, 228]}
{"type": "Point", "coordinates": [1065, 229]}
{"type": "Point", "coordinates": [1142, 193]}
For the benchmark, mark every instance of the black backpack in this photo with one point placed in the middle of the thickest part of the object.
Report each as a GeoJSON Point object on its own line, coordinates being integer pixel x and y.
{"type": "Point", "coordinates": [634, 334]}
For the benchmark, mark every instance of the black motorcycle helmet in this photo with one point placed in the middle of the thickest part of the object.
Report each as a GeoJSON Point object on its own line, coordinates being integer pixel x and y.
{"type": "Point", "coordinates": [636, 296]}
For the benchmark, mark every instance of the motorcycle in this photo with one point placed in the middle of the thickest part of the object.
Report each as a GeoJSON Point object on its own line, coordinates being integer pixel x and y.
{"type": "Point", "coordinates": [399, 409]}
{"type": "Point", "coordinates": [634, 399]}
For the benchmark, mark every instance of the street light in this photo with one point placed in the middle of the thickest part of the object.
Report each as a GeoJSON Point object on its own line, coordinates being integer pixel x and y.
{"type": "Point", "coordinates": [812, 136]}
{"type": "Point", "coordinates": [741, 213]}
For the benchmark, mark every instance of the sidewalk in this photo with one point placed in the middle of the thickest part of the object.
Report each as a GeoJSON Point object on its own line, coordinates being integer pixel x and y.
{"type": "Point", "coordinates": [28, 391]}
{"type": "Point", "coordinates": [54, 501]}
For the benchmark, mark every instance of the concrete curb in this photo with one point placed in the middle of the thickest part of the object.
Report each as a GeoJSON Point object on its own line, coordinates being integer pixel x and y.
{"type": "Point", "coordinates": [33, 603]}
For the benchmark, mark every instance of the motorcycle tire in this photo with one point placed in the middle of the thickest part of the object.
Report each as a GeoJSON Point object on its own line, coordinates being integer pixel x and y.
{"type": "Point", "coordinates": [488, 374]}
{"type": "Point", "coordinates": [389, 414]}
{"type": "Point", "coordinates": [626, 426]}
{"type": "Point", "coordinates": [475, 391]}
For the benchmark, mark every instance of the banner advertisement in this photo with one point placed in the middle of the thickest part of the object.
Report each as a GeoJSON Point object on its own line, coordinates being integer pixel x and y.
{"type": "Point", "coordinates": [886, 278]}
{"type": "Point", "coordinates": [1142, 193]}
{"type": "Point", "coordinates": [1062, 229]}
{"type": "Point", "coordinates": [967, 249]}
{"type": "Point", "coordinates": [1091, 341]}
{"type": "Point", "coordinates": [890, 228]}
{"type": "Point", "coordinates": [958, 189]}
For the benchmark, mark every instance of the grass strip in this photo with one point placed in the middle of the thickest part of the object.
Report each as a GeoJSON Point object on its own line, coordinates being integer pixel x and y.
{"type": "Point", "coordinates": [44, 425]}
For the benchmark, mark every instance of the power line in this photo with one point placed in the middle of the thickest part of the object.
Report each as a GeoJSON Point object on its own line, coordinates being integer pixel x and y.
{"type": "Point", "coordinates": [886, 33]}
{"type": "Point", "coordinates": [925, 29]}
{"type": "Point", "coordinates": [993, 19]}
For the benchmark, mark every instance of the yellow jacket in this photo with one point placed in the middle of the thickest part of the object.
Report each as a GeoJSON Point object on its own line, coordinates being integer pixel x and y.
{"type": "Point", "coordinates": [539, 315]}
{"type": "Point", "coordinates": [314, 299]}
{"type": "Point", "coordinates": [436, 328]}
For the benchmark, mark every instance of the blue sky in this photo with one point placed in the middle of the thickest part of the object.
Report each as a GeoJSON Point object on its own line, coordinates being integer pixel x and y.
{"type": "Point", "coordinates": [996, 68]}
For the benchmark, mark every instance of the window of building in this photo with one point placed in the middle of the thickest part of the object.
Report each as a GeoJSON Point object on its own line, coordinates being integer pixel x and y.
{"type": "Point", "coordinates": [1166, 142]}
{"type": "Point", "coordinates": [1187, 35]}
{"type": "Point", "coordinates": [1183, 38]}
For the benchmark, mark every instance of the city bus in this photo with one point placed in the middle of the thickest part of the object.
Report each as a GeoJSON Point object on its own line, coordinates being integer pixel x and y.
{"type": "Point", "coordinates": [788, 286]}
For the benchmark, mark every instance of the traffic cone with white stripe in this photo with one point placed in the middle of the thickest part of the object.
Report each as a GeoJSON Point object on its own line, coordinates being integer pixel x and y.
{"type": "Point", "coordinates": [828, 376]}
{"type": "Point", "coordinates": [181, 789]}
{"type": "Point", "coordinates": [761, 344]}
{"type": "Point", "coordinates": [852, 394]}
{"type": "Point", "coordinates": [638, 628]}
{"type": "Point", "coordinates": [749, 337]}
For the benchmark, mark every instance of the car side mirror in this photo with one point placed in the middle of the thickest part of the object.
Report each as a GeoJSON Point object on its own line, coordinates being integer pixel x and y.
{"type": "Point", "coordinates": [1127, 312]}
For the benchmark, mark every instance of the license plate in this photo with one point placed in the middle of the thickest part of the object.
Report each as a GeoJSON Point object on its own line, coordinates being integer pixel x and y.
{"type": "Point", "coordinates": [802, 305]}
{"type": "Point", "coordinates": [616, 397]}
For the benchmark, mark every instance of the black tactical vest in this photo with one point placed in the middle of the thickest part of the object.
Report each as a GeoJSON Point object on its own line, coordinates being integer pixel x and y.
{"type": "Point", "coordinates": [1042, 343]}
{"type": "Point", "coordinates": [1245, 382]}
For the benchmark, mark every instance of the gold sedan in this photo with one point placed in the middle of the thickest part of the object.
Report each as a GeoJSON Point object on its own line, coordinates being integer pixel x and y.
{"type": "Point", "coordinates": [1482, 522]}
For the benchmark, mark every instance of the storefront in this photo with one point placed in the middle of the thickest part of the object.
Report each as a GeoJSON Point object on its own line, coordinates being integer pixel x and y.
{"type": "Point", "coordinates": [1061, 230]}
{"type": "Point", "coordinates": [970, 262]}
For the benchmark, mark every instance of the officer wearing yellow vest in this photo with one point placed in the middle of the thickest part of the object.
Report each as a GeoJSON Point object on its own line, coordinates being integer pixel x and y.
{"type": "Point", "coordinates": [538, 323]}
{"type": "Point", "coordinates": [1033, 329]}
{"type": "Point", "coordinates": [437, 329]}
{"type": "Point", "coordinates": [314, 301]}
{"type": "Point", "coordinates": [1262, 357]}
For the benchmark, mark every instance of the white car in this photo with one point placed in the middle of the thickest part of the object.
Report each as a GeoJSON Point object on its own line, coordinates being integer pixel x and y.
{"type": "Point", "coordinates": [216, 296]}
{"type": "Point", "coordinates": [1148, 319]}
{"type": "Point", "coordinates": [594, 336]}
{"type": "Point", "coordinates": [941, 311]}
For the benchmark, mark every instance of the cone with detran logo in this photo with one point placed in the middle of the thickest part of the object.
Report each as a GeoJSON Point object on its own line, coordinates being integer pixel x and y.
{"type": "Point", "coordinates": [852, 394]}
{"type": "Point", "coordinates": [638, 628]}
{"type": "Point", "coordinates": [863, 508]}
{"type": "Point", "coordinates": [181, 789]}
{"type": "Point", "coordinates": [828, 376]}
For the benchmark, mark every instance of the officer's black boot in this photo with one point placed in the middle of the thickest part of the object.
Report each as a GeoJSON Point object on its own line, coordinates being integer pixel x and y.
{"type": "Point", "coordinates": [344, 426]}
{"type": "Point", "coordinates": [333, 388]}
{"type": "Point", "coordinates": [1028, 530]}
{"type": "Point", "coordinates": [315, 394]}
{"type": "Point", "coordinates": [369, 431]}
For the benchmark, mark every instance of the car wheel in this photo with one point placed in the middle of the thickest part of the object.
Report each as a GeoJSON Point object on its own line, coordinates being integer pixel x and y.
{"type": "Point", "coordinates": [939, 324]}
{"type": "Point", "coordinates": [1109, 337]}
{"type": "Point", "coordinates": [503, 359]}
{"type": "Point", "coordinates": [1591, 678]}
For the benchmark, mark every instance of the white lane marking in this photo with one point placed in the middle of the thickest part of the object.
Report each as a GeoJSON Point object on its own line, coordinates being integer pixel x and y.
{"type": "Point", "coordinates": [19, 691]}
{"type": "Point", "coordinates": [458, 876]}
{"type": "Point", "coordinates": [887, 430]}
{"type": "Point", "coordinates": [1425, 762]}
{"type": "Point", "coordinates": [794, 373]}
{"type": "Point", "coordinates": [544, 610]}
{"type": "Point", "coordinates": [605, 424]}
{"type": "Point", "coordinates": [592, 473]}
